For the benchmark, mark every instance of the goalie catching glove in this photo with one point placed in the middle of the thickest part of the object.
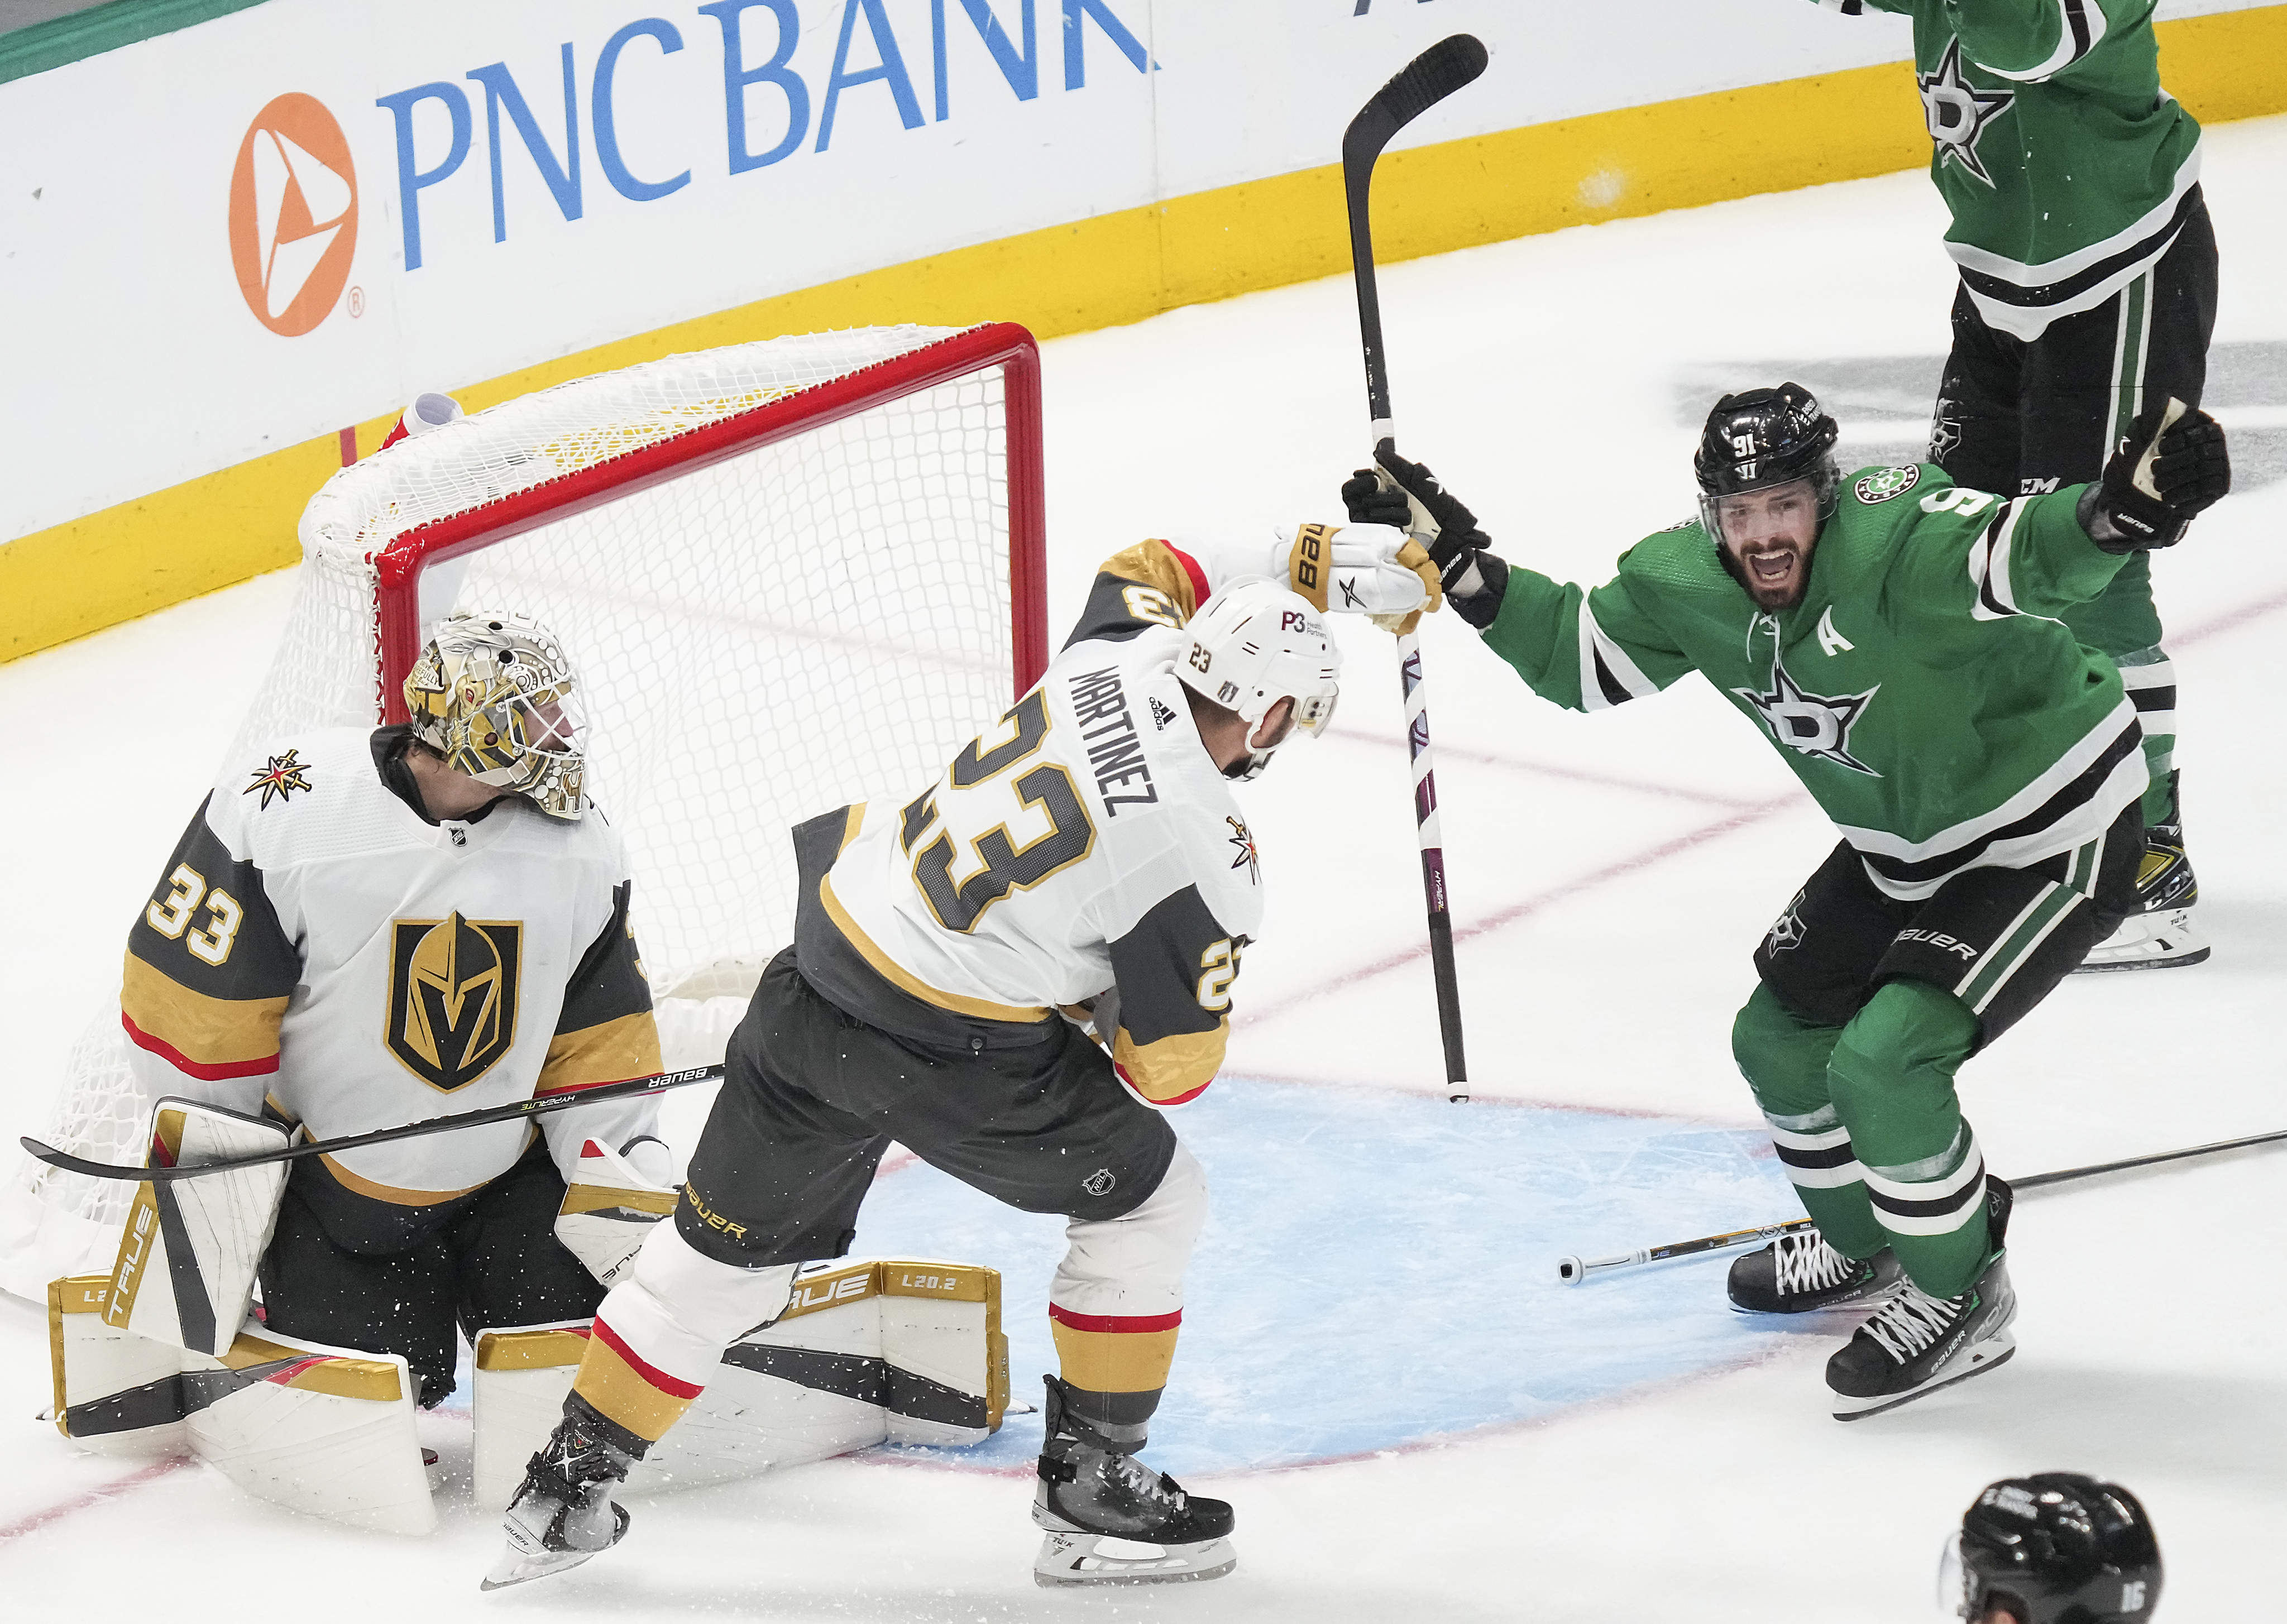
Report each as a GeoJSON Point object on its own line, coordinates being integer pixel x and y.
{"type": "Point", "coordinates": [1407, 495]}
{"type": "Point", "coordinates": [2172, 466]}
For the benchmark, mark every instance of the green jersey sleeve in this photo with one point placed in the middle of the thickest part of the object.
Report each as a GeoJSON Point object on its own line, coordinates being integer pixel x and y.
{"type": "Point", "coordinates": [1971, 552]}
{"type": "Point", "coordinates": [1584, 648]}
{"type": "Point", "coordinates": [2032, 40]}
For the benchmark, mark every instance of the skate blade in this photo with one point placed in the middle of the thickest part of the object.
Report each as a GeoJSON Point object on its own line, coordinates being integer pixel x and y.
{"type": "Point", "coordinates": [515, 1567]}
{"type": "Point", "coordinates": [2166, 940]}
{"type": "Point", "coordinates": [1068, 1561]}
{"type": "Point", "coordinates": [1991, 1354]}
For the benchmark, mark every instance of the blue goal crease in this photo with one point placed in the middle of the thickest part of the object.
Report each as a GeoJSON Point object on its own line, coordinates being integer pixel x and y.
{"type": "Point", "coordinates": [1380, 1271]}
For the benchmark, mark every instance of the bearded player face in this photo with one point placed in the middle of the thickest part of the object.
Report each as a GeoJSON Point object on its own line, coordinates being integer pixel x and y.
{"type": "Point", "coordinates": [1766, 541]}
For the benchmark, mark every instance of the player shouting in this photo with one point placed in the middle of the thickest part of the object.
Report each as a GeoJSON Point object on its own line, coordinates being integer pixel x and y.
{"type": "Point", "coordinates": [1894, 636]}
{"type": "Point", "coordinates": [371, 921]}
{"type": "Point", "coordinates": [1084, 855]}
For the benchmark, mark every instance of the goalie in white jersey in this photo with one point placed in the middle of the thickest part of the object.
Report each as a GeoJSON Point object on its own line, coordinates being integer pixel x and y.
{"type": "Point", "coordinates": [368, 927]}
{"type": "Point", "coordinates": [1081, 867]}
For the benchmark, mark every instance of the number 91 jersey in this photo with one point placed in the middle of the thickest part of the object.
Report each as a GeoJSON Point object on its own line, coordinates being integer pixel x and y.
{"type": "Point", "coordinates": [1084, 850]}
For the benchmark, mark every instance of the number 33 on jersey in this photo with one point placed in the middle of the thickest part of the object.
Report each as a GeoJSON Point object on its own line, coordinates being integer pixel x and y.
{"type": "Point", "coordinates": [1085, 850]}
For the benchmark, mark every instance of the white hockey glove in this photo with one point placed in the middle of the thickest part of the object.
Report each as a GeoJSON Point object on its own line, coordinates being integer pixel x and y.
{"type": "Point", "coordinates": [1371, 570]}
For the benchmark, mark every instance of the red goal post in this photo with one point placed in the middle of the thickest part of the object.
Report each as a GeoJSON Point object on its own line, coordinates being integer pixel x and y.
{"type": "Point", "coordinates": [790, 574]}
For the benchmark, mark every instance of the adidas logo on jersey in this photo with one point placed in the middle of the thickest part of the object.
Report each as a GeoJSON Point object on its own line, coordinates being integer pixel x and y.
{"type": "Point", "coordinates": [1161, 715]}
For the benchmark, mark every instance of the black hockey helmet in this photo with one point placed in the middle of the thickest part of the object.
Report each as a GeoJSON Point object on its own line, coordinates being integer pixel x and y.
{"type": "Point", "coordinates": [1762, 438]}
{"type": "Point", "coordinates": [2055, 1548]}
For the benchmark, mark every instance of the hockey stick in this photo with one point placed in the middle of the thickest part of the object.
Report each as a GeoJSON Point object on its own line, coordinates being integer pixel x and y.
{"type": "Point", "coordinates": [1572, 1271]}
{"type": "Point", "coordinates": [547, 1106]}
{"type": "Point", "coordinates": [1426, 81]}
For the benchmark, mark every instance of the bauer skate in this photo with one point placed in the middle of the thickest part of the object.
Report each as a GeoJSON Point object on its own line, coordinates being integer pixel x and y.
{"type": "Point", "coordinates": [1801, 1274]}
{"type": "Point", "coordinates": [1917, 1343]}
{"type": "Point", "coordinates": [1089, 1492]}
{"type": "Point", "coordinates": [562, 1512]}
{"type": "Point", "coordinates": [2160, 934]}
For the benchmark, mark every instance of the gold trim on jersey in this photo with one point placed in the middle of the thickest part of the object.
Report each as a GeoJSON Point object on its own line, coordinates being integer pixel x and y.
{"type": "Point", "coordinates": [1114, 1361]}
{"type": "Point", "coordinates": [1168, 1068]}
{"type": "Point", "coordinates": [1154, 564]}
{"type": "Point", "coordinates": [203, 1030]}
{"type": "Point", "coordinates": [609, 1051]}
{"type": "Point", "coordinates": [357, 1184]}
{"type": "Point", "coordinates": [906, 981]}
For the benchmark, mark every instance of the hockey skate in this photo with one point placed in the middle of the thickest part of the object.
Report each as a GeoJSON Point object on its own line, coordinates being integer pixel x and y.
{"type": "Point", "coordinates": [1089, 1492]}
{"type": "Point", "coordinates": [1801, 1274]}
{"type": "Point", "coordinates": [1917, 1343]}
{"type": "Point", "coordinates": [2160, 934]}
{"type": "Point", "coordinates": [562, 1512]}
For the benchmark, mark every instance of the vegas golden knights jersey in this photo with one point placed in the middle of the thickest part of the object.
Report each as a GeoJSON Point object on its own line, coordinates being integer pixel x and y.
{"type": "Point", "coordinates": [317, 944]}
{"type": "Point", "coordinates": [1083, 850]}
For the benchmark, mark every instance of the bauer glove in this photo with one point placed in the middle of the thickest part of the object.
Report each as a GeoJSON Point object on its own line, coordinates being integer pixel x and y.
{"type": "Point", "coordinates": [1374, 570]}
{"type": "Point", "coordinates": [2172, 465]}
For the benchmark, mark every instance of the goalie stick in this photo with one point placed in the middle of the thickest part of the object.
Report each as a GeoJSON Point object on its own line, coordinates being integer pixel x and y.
{"type": "Point", "coordinates": [1572, 1271]}
{"type": "Point", "coordinates": [546, 1105]}
{"type": "Point", "coordinates": [1426, 81]}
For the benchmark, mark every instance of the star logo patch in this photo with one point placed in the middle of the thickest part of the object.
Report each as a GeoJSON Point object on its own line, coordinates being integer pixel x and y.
{"type": "Point", "coordinates": [1957, 113]}
{"type": "Point", "coordinates": [280, 777]}
{"type": "Point", "coordinates": [1244, 839]}
{"type": "Point", "coordinates": [1815, 724]}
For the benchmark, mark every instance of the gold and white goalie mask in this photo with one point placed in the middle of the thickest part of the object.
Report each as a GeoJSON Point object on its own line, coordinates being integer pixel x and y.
{"type": "Point", "coordinates": [494, 695]}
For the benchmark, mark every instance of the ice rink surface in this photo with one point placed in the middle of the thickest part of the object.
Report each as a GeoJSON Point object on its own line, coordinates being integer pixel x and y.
{"type": "Point", "coordinates": [1413, 1418]}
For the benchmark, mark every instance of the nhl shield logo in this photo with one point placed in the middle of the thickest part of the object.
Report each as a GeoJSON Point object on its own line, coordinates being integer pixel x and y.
{"type": "Point", "coordinates": [1099, 1182]}
{"type": "Point", "coordinates": [453, 986]}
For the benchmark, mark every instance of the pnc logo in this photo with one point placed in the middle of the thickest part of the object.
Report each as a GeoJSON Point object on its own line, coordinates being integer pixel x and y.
{"type": "Point", "coordinates": [293, 214]}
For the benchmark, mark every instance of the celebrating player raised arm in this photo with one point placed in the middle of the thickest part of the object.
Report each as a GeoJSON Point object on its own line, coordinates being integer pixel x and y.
{"type": "Point", "coordinates": [2087, 291]}
{"type": "Point", "coordinates": [374, 923]}
{"type": "Point", "coordinates": [1893, 635]}
{"type": "Point", "coordinates": [1080, 865]}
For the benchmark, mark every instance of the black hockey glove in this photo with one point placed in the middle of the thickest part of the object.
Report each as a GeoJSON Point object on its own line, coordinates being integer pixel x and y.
{"type": "Point", "coordinates": [1408, 496]}
{"type": "Point", "coordinates": [2172, 466]}
{"type": "Point", "coordinates": [1420, 506]}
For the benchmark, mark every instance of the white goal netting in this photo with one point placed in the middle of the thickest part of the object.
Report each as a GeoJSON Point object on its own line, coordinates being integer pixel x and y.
{"type": "Point", "coordinates": [761, 638]}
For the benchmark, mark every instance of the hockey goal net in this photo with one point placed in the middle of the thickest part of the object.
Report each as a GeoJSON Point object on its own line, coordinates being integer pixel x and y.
{"type": "Point", "coordinates": [790, 574]}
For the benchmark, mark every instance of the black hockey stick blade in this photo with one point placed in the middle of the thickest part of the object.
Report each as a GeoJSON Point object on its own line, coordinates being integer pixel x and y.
{"type": "Point", "coordinates": [546, 1105]}
{"type": "Point", "coordinates": [1419, 85]}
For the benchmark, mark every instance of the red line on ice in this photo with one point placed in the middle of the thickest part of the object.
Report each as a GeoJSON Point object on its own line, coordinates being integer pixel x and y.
{"type": "Point", "coordinates": [93, 1497]}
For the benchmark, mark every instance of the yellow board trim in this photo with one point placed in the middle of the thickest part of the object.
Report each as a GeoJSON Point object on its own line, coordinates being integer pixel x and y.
{"type": "Point", "coordinates": [222, 528]}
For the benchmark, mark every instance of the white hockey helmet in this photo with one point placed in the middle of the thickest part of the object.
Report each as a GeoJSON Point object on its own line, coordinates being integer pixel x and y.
{"type": "Point", "coordinates": [1254, 643]}
{"type": "Point", "coordinates": [494, 695]}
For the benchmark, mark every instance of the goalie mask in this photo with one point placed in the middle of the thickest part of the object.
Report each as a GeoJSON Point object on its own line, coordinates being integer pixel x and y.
{"type": "Point", "coordinates": [494, 696]}
{"type": "Point", "coordinates": [2055, 1548]}
{"type": "Point", "coordinates": [1254, 643]}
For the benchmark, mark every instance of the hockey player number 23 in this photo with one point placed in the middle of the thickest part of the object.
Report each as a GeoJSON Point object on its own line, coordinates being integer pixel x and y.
{"type": "Point", "coordinates": [1002, 866]}
{"type": "Point", "coordinates": [186, 887]}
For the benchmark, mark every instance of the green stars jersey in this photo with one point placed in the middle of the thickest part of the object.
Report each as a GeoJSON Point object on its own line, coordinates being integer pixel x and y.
{"type": "Point", "coordinates": [1918, 690]}
{"type": "Point", "coordinates": [2067, 168]}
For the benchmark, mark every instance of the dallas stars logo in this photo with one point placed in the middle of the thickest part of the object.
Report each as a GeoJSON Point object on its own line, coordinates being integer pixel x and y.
{"type": "Point", "coordinates": [1815, 724]}
{"type": "Point", "coordinates": [1244, 839]}
{"type": "Point", "coordinates": [1957, 113]}
{"type": "Point", "coordinates": [280, 777]}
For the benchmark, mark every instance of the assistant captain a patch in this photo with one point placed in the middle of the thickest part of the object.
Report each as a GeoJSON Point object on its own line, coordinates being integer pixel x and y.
{"type": "Point", "coordinates": [1817, 724]}
{"type": "Point", "coordinates": [453, 986]}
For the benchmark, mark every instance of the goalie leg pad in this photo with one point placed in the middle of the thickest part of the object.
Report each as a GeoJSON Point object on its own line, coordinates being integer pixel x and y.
{"type": "Point", "coordinates": [185, 1273]}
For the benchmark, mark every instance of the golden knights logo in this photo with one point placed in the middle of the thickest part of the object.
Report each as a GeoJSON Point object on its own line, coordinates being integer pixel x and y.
{"type": "Point", "coordinates": [453, 996]}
